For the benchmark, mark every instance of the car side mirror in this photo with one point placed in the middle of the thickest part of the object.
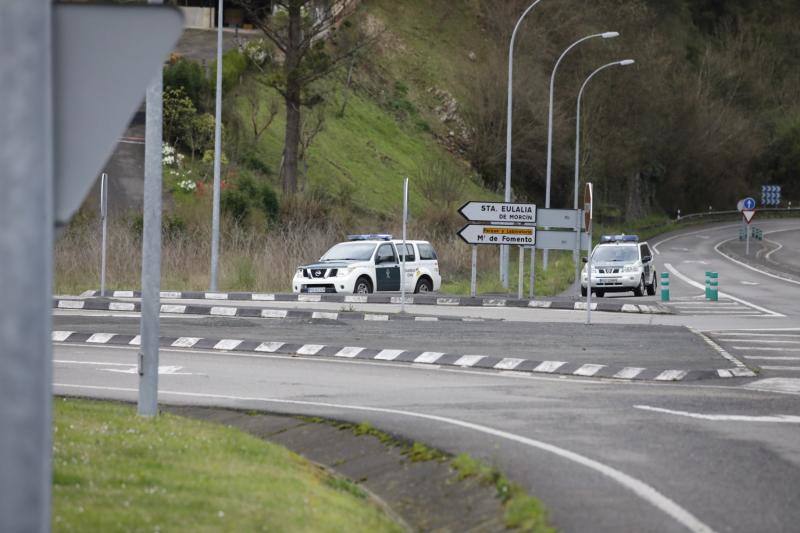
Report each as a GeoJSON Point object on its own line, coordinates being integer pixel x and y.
{"type": "Point", "coordinates": [647, 259]}
{"type": "Point", "coordinates": [584, 259]}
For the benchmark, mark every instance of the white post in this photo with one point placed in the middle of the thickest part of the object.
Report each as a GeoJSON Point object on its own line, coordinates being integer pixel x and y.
{"type": "Point", "coordinates": [403, 277]}
{"type": "Point", "coordinates": [151, 249]}
{"type": "Point", "coordinates": [217, 157]}
{"type": "Point", "coordinates": [532, 288]}
{"type": "Point", "coordinates": [604, 35]}
{"type": "Point", "coordinates": [521, 272]}
{"type": "Point", "coordinates": [473, 285]}
{"type": "Point", "coordinates": [510, 107]}
{"type": "Point", "coordinates": [104, 220]}
{"type": "Point", "coordinates": [26, 254]}
{"type": "Point", "coordinates": [589, 280]}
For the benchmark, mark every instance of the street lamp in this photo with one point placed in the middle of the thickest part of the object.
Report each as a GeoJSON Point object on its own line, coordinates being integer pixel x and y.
{"type": "Point", "coordinates": [504, 248]}
{"type": "Point", "coordinates": [623, 63]}
{"type": "Point", "coordinates": [604, 35]}
{"type": "Point", "coordinates": [217, 156]}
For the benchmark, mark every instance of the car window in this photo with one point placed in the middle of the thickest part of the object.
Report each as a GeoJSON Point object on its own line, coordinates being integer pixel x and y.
{"type": "Point", "coordinates": [410, 254]}
{"type": "Point", "coordinates": [426, 252]}
{"type": "Point", "coordinates": [615, 254]}
{"type": "Point", "coordinates": [356, 251]}
{"type": "Point", "coordinates": [645, 251]}
{"type": "Point", "coordinates": [385, 254]}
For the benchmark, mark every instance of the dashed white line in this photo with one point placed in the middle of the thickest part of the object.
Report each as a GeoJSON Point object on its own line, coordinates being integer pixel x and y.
{"type": "Point", "coordinates": [428, 357]}
{"type": "Point", "coordinates": [349, 351]}
{"type": "Point", "coordinates": [469, 360]}
{"type": "Point", "coordinates": [186, 342]}
{"type": "Point", "coordinates": [388, 355]}
{"type": "Point", "coordinates": [310, 349]}
{"type": "Point", "coordinates": [588, 370]}
{"type": "Point", "coordinates": [549, 366]}
{"type": "Point", "coordinates": [509, 363]}
{"type": "Point", "coordinates": [227, 344]}
{"type": "Point", "coordinates": [780, 419]}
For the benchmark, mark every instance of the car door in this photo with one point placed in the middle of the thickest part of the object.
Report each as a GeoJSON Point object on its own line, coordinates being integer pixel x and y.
{"type": "Point", "coordinates": [411, 265]}
{"type": "Point", "coordinates": [647, 262]}
{"type": "Point", "coordinates": [387, 269]}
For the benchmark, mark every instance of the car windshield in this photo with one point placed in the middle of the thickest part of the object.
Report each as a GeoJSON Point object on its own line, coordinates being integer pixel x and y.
{"type": "Point", "coordinates": [353, 251]}
{"type": "Point", "coordinates": [615, 254]}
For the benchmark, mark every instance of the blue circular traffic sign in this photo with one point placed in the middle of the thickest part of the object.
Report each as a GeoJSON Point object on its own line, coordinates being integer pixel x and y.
{"type": "Point", "coordinates": [749, 203]}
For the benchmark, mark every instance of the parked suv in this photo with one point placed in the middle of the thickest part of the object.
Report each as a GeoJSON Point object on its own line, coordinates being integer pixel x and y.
{"type": "Point", "coordinates": [621, 263]}
{"type": "Point", "coordinates": [371, 263]}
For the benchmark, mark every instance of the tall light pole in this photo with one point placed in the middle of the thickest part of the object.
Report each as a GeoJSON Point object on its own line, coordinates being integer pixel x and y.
{"type": "Point", "coordinates": [504, 249]}
{"type": "Point", "coordinates": [217, 157]}
{"type": "Point", "coordinates": [604, 35]}
{"type": "Point", "coordinates": [623, 63]}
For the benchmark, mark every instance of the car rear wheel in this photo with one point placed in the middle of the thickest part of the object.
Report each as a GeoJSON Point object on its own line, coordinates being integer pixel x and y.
{"type": "Point", "coordinates": [640, 289]}
{"type": "Point", "coordinates": [424, 285]}
{"type": "Point", "coordinates": [363, 286]}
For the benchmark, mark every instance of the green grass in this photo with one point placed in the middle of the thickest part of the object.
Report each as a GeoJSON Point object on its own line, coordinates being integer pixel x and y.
{"type": "Point", "coordinates": [556, 279]}
{"type": "Point", "coordinates": [114, 471]}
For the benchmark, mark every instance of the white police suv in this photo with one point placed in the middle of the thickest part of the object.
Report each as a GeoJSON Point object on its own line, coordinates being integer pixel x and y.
{"type": "Point", "coordinates": [621, 263]}
{"type": "Point", "coordinates": [371, 263]}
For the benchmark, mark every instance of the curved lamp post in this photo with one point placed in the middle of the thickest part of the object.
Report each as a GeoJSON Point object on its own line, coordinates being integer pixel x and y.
{"type": "Point", "coordinates": [604, 35]}
{"type": "Point", "coordinates": [504, 249]}
{"type": "Point", "coordinates": [623, 63]}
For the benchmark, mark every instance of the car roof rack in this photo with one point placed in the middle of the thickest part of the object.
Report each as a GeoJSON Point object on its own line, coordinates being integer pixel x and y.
{"type": "Point", "coordinates": [370, 237]}
{"type": "Point", "coordinates": [619, 238]}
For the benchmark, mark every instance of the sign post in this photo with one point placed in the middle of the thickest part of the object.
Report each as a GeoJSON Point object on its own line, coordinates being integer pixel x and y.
{"type": "Point", "coordinates": [104, 220]}
{"type": "Point", "coordinates": [587, 224]}
{"type": "Point", "coordinates": [473, 286]}
{"type": "Point", "coordinates": [404, 277]}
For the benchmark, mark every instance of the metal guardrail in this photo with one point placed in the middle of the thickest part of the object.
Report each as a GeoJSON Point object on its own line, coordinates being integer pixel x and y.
{"type": "Point", "coordinates": [711, 214]}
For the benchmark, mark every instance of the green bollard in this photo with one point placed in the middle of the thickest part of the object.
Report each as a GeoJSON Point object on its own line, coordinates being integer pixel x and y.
{"type": "Point", "coordinates": [713, 286]}
{"type": "Point", "coordinates": [708, 286]}
{"type": "Point", "coordinates": [665, 286]}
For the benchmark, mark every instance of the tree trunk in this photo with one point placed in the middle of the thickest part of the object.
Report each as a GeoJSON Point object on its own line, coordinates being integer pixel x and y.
{"type": "Point", "coordinates": [291, 147]}
{"type": "Point", "coordinates": [293, 98]}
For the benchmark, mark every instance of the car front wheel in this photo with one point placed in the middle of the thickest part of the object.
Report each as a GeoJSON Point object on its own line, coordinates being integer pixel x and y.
{"type": "Point", "coordinates": [363, 286]}
{"type": "Point", "coordinates": [651, 289]}
{"type": "Point", "coordinates": [640, 290]}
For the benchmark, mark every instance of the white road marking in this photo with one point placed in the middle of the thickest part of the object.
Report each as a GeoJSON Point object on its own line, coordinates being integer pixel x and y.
{"type": "Point", "coordinates": [61, 336]}
{"type": "Point", "coordinates": [258, 297]}
{"type": "Point", "coordinates": [719, 349]}
{"type": "Point", "coordinates": [186, 342]}
{"type": "Point", "coordinates": [671, 375]}
{"type": "Point", "coordinates": [748, 333]}
{"type": "Point", "coordinates": [216, 296]}
{"type": "Point", "coordinates": [549, 366]}
{"type": "Point", "coordinates": [588, 370]}
{"type": "Point", "coordinates": [123, 294]}
{"type": "Point", "coordinates": [121, 306]}
{"type": "Point", "coordinates": [274, 313]}
{"type": "Point", "coordinates": [781, 419]}
{"type": "Point", "coordinates": [310, 349]}
{"type": "Point", "coordinates": [540, 305]}
{"type": "Point", "coordinates": [629, 372]}
{"type": "Point", "coordinates": [581, 306]}
{"type": "Point", "coordinates": [750, 283]}
{"type": "Point", "coordinates": [136, 341]}
{"type": "Point", "coordinates": [790, 385]}
{"type": "Point", "coordinates": [754, 269]}
{"type": "Point", "coordinates": [636, 486]}
{"type": "Point", "coordinates": [766, 349]}
{"type": "Point", "coordinates": [223, 311]}
{"type": "Point", "coordinates": [426, 318]}
{"type": "Point", "coordinates": [355, 299]}
{"type": "Point", "coordinates": [269, 347]}
{"type": "Point", "coordinates": [169, 294]}
{"type": "Point", "coordinates": [321, 315]}
{"type": "Point", "coordinates": [100, 338]}
{"type": "Point", "coordinates": [791, 368]}
{"type": "Point", "coordinates": [227, 344]}
{"type": "Point", "coordinates": [388, 355]}
{"type": "Point", "coordinates": [469, 360]}
{"type": "Point", "coordinates": [90, 363]}
{"type": "Point", "coordinates": [428, 357]}
{"type": "Point", "coordinates": [757, 341]}
{"type": "Point", "coordinates": [399, 300]}
{"type": "Point", "coordinates": [309, 298]}
{"type": "Point", "coordinates": [71, 304]}
{"type": "Point", "coordinates": [447, 301]}
{"type": "Point", "coordinates": [168, 308]}
{"type": "Point", "coordinates": [349, 351]}
{"type": "Point", "coordinates": [162, 370]}
{"type": "Point", "coordinates": [722, 294]}
{"type": "Point", "coordinates": [509, 363]}
{"type": "Point", "coordinates": [772, 358]}
{"type": "Point", "coordinates": [376, 318]}
{"type": "Point", "coordinates": [679, 235]}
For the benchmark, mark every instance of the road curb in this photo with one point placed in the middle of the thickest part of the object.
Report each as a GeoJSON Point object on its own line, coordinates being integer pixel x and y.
{"type": "Point", "coordinates": [435, 300]}
{"type": "Point", "coordinates": [434, 359]}
{"type": "Point", "coordinates": [102, 304]}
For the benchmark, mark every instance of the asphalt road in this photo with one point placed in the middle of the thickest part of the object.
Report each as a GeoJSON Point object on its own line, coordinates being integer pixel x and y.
{"type": "Point", "coordinates": [604, 455]}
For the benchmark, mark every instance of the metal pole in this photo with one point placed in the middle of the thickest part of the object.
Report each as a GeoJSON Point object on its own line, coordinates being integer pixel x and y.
{"type": "Point", "coordinates": [532, 288]}
{"type": "Point", "coordinates": [510, 108]}
{"type": "Point", "coordinates": [26, 255]}
{"type": "Point", "coordinates": [747, 240]}
{"type": "Point", "coordinates": [521, 272]}
{"type": "Point", "coordinates": [576, 252]}
{"type": "Point", "coordinates": [473, 285]}
{"type": "Point", "coordinates": [104, 219]}
{"type": "Point", "coordinates": [604, 35]}
{"type": "Point", "coordinates": [217, 156]}
{"type": "Point", "coordinates": [151, 250]}
{"type": "Point", "coordinates": [589, 280]}
{"type": "Point", "coordinates": [403, 277]}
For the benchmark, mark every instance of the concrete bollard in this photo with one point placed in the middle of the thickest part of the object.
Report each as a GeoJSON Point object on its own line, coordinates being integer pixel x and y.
{"type": "Point", "coordinates": [713, 286]}
{"type": "Point", "coordinates": [665, 286]}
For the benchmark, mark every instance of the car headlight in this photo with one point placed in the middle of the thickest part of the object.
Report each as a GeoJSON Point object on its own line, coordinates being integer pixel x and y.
{"type": "Point", "coordinates": [630, 268]}
{"type": "Point", "coordinates": [342, 272]}
{"type": "Point", "coordinates": [299, 272]}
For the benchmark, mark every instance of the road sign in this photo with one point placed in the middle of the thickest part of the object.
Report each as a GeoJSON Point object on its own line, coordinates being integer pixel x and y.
{"type": "Point", "coordinates": [748, 214]}
{"type": "Point", "coordinates": [748, 203]}
{"type": "Point", "coordinates": [770, 195]}
{"type": "Point", "coordinates": [499, 212]}
{"type": "Point", "coordinates": [560, 240]}
{"type": "Point", "coordinates": [557, 218]}
{"type": "Point", "coordinates": [587, 207]}
{"type": "Point", "coordinates": [102, 66]}
{"type": "Point", "coordinates": [496, 235]}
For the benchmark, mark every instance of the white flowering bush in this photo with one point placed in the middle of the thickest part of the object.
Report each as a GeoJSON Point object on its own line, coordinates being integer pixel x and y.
{"type": "Point", "coordinates": [175, 172]}
{"type": "Point", "coordinates": [187, 185]}
{"type": "Point", "coordinates": [257, 51]}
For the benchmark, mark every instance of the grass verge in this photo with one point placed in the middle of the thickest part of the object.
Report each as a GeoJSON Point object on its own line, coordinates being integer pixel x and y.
{"type": "Point", "coordinates": [114, 471]}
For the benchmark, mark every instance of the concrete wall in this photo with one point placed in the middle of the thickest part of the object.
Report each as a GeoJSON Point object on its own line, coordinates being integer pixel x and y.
{"type": "Point", "coordinates": [199, 17]}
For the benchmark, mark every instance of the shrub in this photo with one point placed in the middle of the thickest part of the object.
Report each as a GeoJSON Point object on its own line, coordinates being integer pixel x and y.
{"type": "Point", "coordinates": [190, 77]}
